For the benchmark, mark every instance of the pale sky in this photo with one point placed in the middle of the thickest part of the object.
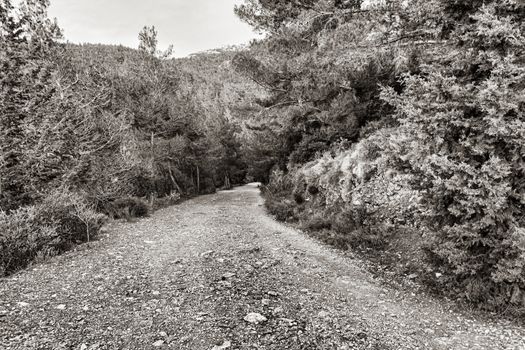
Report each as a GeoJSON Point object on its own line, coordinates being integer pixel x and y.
{"type": "Point", "coordinates": [190, 25]}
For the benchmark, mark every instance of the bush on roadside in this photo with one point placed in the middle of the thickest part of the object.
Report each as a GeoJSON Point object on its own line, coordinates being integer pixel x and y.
{"type": "Point", "coordinates": [316, 222]}
{"type": "Point", "coordinates": [72, 217]}
{"type": "Point", "coordinates": [207, 186]}
{"type": "Point", "coordinates": [44, 230]}
{"type": "Point", "coordinates": [276, 194]}
{"type": "Point", "coordinates": [280, 185]}
{"type": "Point", "coordinates": [22, 239]}
{"type": "Point", "coordinates": [167, 201]}
{"type": "Point", "coordinates": [461, 121]}
{"type": "Point", "coordinates": [282, 209]}
{"type": "Point", "coordinates": [127, 208]}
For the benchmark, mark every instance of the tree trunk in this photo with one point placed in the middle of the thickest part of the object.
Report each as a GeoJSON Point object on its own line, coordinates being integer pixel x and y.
{"type": "Point", "coordinates": [152, 142]}
{"type": "Point", "coordinates": [198, 180]}
{"type": "Point", "coordinates": [227, 183]}
{"type": "Point", "coordinates": [173, 181]}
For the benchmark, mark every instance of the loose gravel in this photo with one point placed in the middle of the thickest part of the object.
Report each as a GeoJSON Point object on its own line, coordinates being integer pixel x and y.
{"type": "Point", "coordinates": [217, 273]}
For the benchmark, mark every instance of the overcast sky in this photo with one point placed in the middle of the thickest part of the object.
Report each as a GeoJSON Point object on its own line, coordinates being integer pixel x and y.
{"type": "Point", "coordinates": [190, 25]}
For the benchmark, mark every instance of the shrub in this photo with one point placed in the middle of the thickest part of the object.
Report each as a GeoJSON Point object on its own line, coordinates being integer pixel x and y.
{"type": "Point", "coordinates": [280, 185]}
{"type": "Point", "coordinates": [207, 186]}
{"type": "Point", "coordinates": [46, 229]}
{"type": "Point", "coordinates": [276, 195]}
{"type": "Point", "coordinates": [74, 220]}
{"type": "Point", "coordinates": [344, 222]}
{"type": "Point", "coordinates": [22, 238]}
{"type": "Point", "coordinates": [282, 209]}
{"type": "Point", "coordinates": [316, 222]}
{"type": "Point", "coordinates": [127, 208]}
{"type": "Point", "coordinates": [167, 201]}
{"type": "Point", "coordinates": [462, 120]}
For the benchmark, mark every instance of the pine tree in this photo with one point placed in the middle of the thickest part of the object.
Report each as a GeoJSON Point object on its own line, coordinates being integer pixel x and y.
{"type": "Point", "coordinates": [26, 37]}
{"type": "Point", "coordinates": [464, 115]}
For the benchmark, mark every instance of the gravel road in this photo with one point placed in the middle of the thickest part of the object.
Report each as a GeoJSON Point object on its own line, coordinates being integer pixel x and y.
{"type": "Point", "coordinates": [217, 273]}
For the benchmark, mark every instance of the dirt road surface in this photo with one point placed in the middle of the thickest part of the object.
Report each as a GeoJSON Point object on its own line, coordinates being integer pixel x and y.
{"type": "Point", "coordinates": [217, 273]}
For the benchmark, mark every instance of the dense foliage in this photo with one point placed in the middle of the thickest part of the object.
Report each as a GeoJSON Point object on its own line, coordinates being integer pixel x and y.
{"type": "Point", "coordinates": [117, 130]}
{"type": "Point", "coordinates": [401, 124]}
{"type": "Point", "coordinates": [466, 112]}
